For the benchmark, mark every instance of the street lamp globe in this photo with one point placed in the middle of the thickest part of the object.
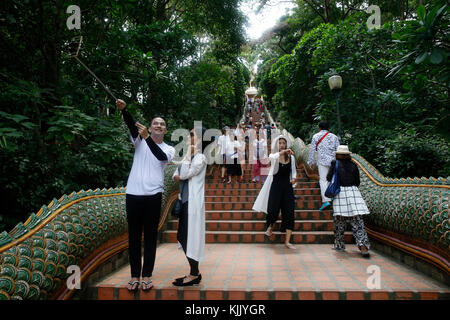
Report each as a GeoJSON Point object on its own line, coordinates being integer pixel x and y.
{"type": "Point", "coordinates": [335, 82]}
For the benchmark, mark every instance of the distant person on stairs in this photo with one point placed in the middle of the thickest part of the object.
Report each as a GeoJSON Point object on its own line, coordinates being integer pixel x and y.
{"type": "Point", "coordinates": [277, 192]}
{"type": "Point", "coordinates": [191, 224]}
{"type": "Point", "coordinates": [223, 142]}
{"type": "Point", "coordinates": [259, 156]}
{"type": "Point", "coordinates": [268, 130]}
{"type": "Point", "coordinates": [232, 157]}
{"type": "Point", "coordinates": [348, 205]}
{"type": "Point", "coordinates": [240, 134]}
{"type": "Point", "coordinates": [324, 143]}
{"type": "Point", "coordinates": [144, 193]}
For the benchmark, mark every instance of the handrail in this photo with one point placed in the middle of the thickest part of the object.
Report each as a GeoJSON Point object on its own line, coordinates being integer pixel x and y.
{"type": "Point", "coordinates": [48, 219]}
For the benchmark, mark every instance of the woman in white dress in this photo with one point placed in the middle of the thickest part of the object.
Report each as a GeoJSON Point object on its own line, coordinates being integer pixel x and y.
{"type": "Point", "coordinates": [232, 157]}
{"type": "Point", "coordinates": [191, 224]}
{"type": "Point", "coordinates": [277, 192]}
{"type": "Point", "coordinates": [240, 135]}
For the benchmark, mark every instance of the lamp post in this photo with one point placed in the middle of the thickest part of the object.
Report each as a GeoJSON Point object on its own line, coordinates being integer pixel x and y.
{"type": "Point", "coordinates": [335, 83]}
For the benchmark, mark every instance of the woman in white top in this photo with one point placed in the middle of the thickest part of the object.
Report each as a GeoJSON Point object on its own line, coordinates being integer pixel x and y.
{"type": "Point", "coordinates": [259, 156]}
{"type": "Point", "coordinates": [222, 142]}
{"type": "Point", "coordinates": [232, 157]}
{"type": "Point", "coordinates": [240, 134]}
{"type": "Point", "coordinates": [277, 192]}
{"type": "Point", "coordinates": [191, 225]}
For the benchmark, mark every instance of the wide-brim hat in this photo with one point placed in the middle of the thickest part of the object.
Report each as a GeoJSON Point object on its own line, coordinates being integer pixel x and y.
{"type": "Point", "coordinates": [342, 149]}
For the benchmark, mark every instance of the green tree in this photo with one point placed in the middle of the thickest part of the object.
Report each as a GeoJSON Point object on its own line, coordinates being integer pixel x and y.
{"type": "Point", "coordinates": [59, 130]}
{"type": "Point", "coordinates": [377, 105]}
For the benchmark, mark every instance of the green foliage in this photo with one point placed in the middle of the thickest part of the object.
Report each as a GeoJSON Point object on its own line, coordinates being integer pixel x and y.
{"type": "Point", "coordinates": [403, 151]}
{"type": "Point", "coordinates": [393, 82]}
{"type": "Point", "coordinates": [409, 154]}
{"type": "Point", "coordinates": [426, 40]}
{"type": "Point", "coordinates": [60, 131]}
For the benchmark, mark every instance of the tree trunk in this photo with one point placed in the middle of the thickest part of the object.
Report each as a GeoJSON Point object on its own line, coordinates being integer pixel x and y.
{"type": "Point", "coordinates": [326, 10]}
{"type": "Point", "coordinates": [161, 10]}
{"type": "Point", "coordinates": [50, 47]}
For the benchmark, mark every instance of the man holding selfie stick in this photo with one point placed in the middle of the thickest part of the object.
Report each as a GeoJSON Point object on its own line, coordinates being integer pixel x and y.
{"type": "Point", "coordinates": [144, 193]}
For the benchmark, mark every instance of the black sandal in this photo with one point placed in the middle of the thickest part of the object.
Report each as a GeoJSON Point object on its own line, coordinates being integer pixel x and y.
{"type": "Point", "coordinates": [178, 280]}
{"type": "Point", "coordinates": [189, 283]}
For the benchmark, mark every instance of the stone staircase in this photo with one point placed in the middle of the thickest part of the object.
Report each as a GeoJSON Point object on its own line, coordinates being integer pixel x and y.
{"type": "Point", "coordinates": [241, 263]}
{"type": "Point", "coordinates": [230, 219]}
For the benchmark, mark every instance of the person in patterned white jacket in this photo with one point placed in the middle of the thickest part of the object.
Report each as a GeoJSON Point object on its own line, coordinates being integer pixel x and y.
{"type": "Point", "coordinates": [325, 143]}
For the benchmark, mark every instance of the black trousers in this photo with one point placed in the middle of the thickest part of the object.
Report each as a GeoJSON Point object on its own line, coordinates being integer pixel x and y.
{"type": "Point", "coordinates": [281, 197]}
{"type": "Point", "coordinates": [143, 213]}
{"type": "Point", "coordinates": [182, 236]}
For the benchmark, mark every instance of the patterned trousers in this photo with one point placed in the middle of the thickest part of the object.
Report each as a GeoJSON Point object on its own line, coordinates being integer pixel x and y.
{"type": "Point", "coordinates": [359, 232]}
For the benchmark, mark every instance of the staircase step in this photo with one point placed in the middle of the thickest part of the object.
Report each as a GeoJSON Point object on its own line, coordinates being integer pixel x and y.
{"type": "Point", "coordinates": [252, 198]}
{"type": "Point", "coordinates": [248, 173]}
{"type": "Point", "coordinates": [299, 204]}
{"type": "Point", "coordinates": [249, 180]}
{"type": "Point", "coordinates": [246, 225]}
{"type": "Point", "coordinates": [248, 176]}
{"type": "Point", "coordinates": [253, 215]}
{"type": "Point", "coordinates": [255, 192]}
{"type": "Point", "coordinates": [247, 167]}
{"type": "Point", "coordinates": [259, 237]}
{"type": "Point", "coordinates": [254, 185]}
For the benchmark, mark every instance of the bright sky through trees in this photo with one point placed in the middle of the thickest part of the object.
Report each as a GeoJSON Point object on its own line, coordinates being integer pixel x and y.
{"type": "Point", "coordinates": [260, 22]}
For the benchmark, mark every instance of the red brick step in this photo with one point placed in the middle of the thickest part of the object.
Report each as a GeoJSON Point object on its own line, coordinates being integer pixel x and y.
{"type": "Point", "coordinates": [299, 204]}
{"type": "Point", "coordinates": [254, 185]}
{"type": "Point", "coordinates": [259, 237]}
{"type": "Point", "coordinates": [255, 192]}
{"type": "Point", "coordinates": [245, 225]}
{"type": "Point", "coordinates": [252, 198]}
{"type": "Point", "coordinates": [253, 215]}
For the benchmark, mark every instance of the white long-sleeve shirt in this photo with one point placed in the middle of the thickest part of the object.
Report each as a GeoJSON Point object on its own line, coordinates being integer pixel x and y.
{"type": "Point", "coordinates": [222, 142]}
{"type": "Point", "coordinates": [147, 172]}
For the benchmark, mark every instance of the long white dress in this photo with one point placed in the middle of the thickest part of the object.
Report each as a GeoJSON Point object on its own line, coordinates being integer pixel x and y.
{"type": "Point", "coordinates": [195, 171]}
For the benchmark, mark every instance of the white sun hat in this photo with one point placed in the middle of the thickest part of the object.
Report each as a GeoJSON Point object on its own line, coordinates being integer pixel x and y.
{"type": "Point", "coordinates": [342, 149]}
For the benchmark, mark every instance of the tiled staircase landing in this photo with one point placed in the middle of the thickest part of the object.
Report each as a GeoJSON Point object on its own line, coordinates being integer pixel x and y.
{"type": "Point", "coordinates": [242, 263]}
